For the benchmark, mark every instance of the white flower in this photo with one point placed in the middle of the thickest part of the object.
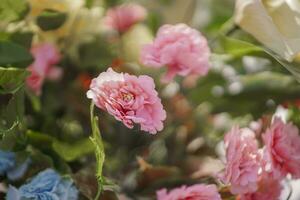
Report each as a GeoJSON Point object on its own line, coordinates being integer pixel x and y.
{"type": "Point", "coordinates": [275, 23]}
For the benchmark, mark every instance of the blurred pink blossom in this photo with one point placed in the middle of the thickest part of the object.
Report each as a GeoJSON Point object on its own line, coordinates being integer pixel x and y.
{"type": "Point", "coordinates": [242, 161]}
{"type": "Point", "coordinates": [282, 149]}
{"type": "Point", "coordinates": [268, 189]}
{"type": "Point", "coordinates": [45, 57]}
{"type": "Point", "coordinates": [183, 50]}
{"type": "Point", "coordinates": [121, 18]}
{"type": "Point", "coordinates": [195, 192]}
{"type": "Point", "coordinates": [129, 99]}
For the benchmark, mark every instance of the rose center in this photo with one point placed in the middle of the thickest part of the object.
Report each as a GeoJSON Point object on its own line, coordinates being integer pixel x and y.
{"type": "Point", "coordinates": [128, 97]}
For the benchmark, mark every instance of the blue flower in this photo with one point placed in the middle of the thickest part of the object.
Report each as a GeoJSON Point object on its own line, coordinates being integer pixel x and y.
{"type": "Point", "coordinates": [47, 185]}
{"type": "Point", "coordinates": [7, 161]}
{"type": "Point", "coordinates": [9, 167]}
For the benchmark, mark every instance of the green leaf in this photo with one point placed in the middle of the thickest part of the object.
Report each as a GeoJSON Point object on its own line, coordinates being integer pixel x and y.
{"type": "Point", "coordinates": [12, 114]}
{"type": "Point", "coordinates": [99, 149]}
{"type": "Point", "coordinates": [70, 152]}
{"type": "Point", "coordinates": [22, 38]}
{"type": "Point", "coordinates": [67, 151]}
{"type": "Point", "coordinates": [14, 54]}
{"type": "Point", "coordinates": [292, 67]}
{"type": "Point", "coordinates": [11, 10]}
{"type": "Point", "coordinates": [51, 19]}
{"type": "Point", "coordinates": [237, 48]}
{"type": "Point", "coordinates": [40, 140]}
{"type": "Point", "coordinates": [11, 79]}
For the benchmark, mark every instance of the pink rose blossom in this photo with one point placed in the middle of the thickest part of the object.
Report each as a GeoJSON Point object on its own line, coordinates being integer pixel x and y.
{"type": "Point", "coordinates": [195, 192]}
{"type": "Point", "coordinates": [268, 189]}
{"type": "Point", "coordinates": [183, 50]}
{"type": "Point", "coordinates": [45, 57]}
{"type": "Point", "coordinates": [122, 17]}
{"type": "Point", "coordinates": [242, 161]}
{"type": "Point", "coordinates": [129, 99]}
{"type": "Point", "coordinates": [282, 149]}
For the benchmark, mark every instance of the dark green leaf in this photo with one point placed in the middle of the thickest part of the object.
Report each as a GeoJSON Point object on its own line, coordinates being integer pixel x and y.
{"type": "Point", "coordinates": [50, 20]}
{"type": "Point", "coordinates": [14, 54]}
{"type": "Point", "coordinates": [22, 38]}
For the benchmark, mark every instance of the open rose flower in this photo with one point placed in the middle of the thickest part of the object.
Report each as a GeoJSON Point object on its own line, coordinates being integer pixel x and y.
{"type": "Point", "coordinates": [242, 161]}
{"type": "Point", "coordinates": [195, 192]}
{"type": "Point", "coordinates": [282, 149]}
{"type": "Point", "coordinates": [183, 50]}
{"type": "Point", "coordinates": [121, 18]}
{"type": "Point", "coordinates": [45, 57]}
{"type": "Point", "coordinates": [129, 99]}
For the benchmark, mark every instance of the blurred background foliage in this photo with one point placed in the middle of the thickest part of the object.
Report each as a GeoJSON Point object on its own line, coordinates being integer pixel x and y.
{"type": "Point", "coordinates": [245, 84]}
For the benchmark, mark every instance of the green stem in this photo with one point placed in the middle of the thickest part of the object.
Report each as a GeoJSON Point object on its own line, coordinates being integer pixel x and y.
{"type": "Point", "coordinates": [99, 150]}
{"type": "Point", "coordinates": [99, 190]}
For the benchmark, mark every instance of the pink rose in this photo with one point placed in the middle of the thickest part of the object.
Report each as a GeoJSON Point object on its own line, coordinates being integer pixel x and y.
{"type": "Point", "coordinates": [282, 149]}
{"type": "Point", "coordinates": [195, 192]}
{"type": "Point", "coordinates": [129, 99]}
{"type": "Point", "coordinates": [242, 161]}
{"type": "Point", "coordinates": [183, 50]}
{"type": "Point", "coordinates": [45, 57]}
{"type": "Point", "coordinates": [122, 17]}
{"type": "Point", "coordinates": [268, 189]}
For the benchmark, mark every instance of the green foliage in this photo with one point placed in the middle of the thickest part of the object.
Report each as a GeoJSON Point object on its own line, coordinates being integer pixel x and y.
{"type": "Point", "coordinates": [12, 54]}
{"type": "Point", "coordinates": [71, 152]}
{"type": "Point", "coordinates": [238, 48]}
{"type": "Point", "coordinates": [12, 10]}
{"type": "Point", "coordinates": [88, 53]}
{"type": "Point", "coordinates": [11, 79]}
{"type": "Point", "coordinates": [22, 38]}
{"type": "Point", "coordinates": [292, 67]}
{"type": "Point", "coordinates": [50, 20]}
{"type": "Point", "coordinates": [257, 89]}
{"type": "Point", "coordinates": [12, 114]}
{"type": "Point", "coordinates": [68, 152]}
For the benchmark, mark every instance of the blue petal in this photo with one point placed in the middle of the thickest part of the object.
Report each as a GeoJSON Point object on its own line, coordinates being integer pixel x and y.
{"type": "Point", "coordinates": [44, 182]}
{"type": "Point", "coordinates": [66, 190]}
{"type": "Point", "coordinates": [17, 172]}
{"type": "Point", "coordinates": [13, 193]}
{"type": "Point", "coordinates": [7, 161]}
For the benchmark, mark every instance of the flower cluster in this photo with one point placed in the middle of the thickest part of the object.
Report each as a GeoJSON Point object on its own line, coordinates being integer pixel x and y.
{"type": "Point", "coordinates": [46, 185]}
{"type": "Point", "coordinates": [194, 192]}
{"type": "Point", "coordinates": [182, 49]}
{"type": "Point", "coordinates": [252, 171]}
{"type": "Point", "coordinates": [129, 99]}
